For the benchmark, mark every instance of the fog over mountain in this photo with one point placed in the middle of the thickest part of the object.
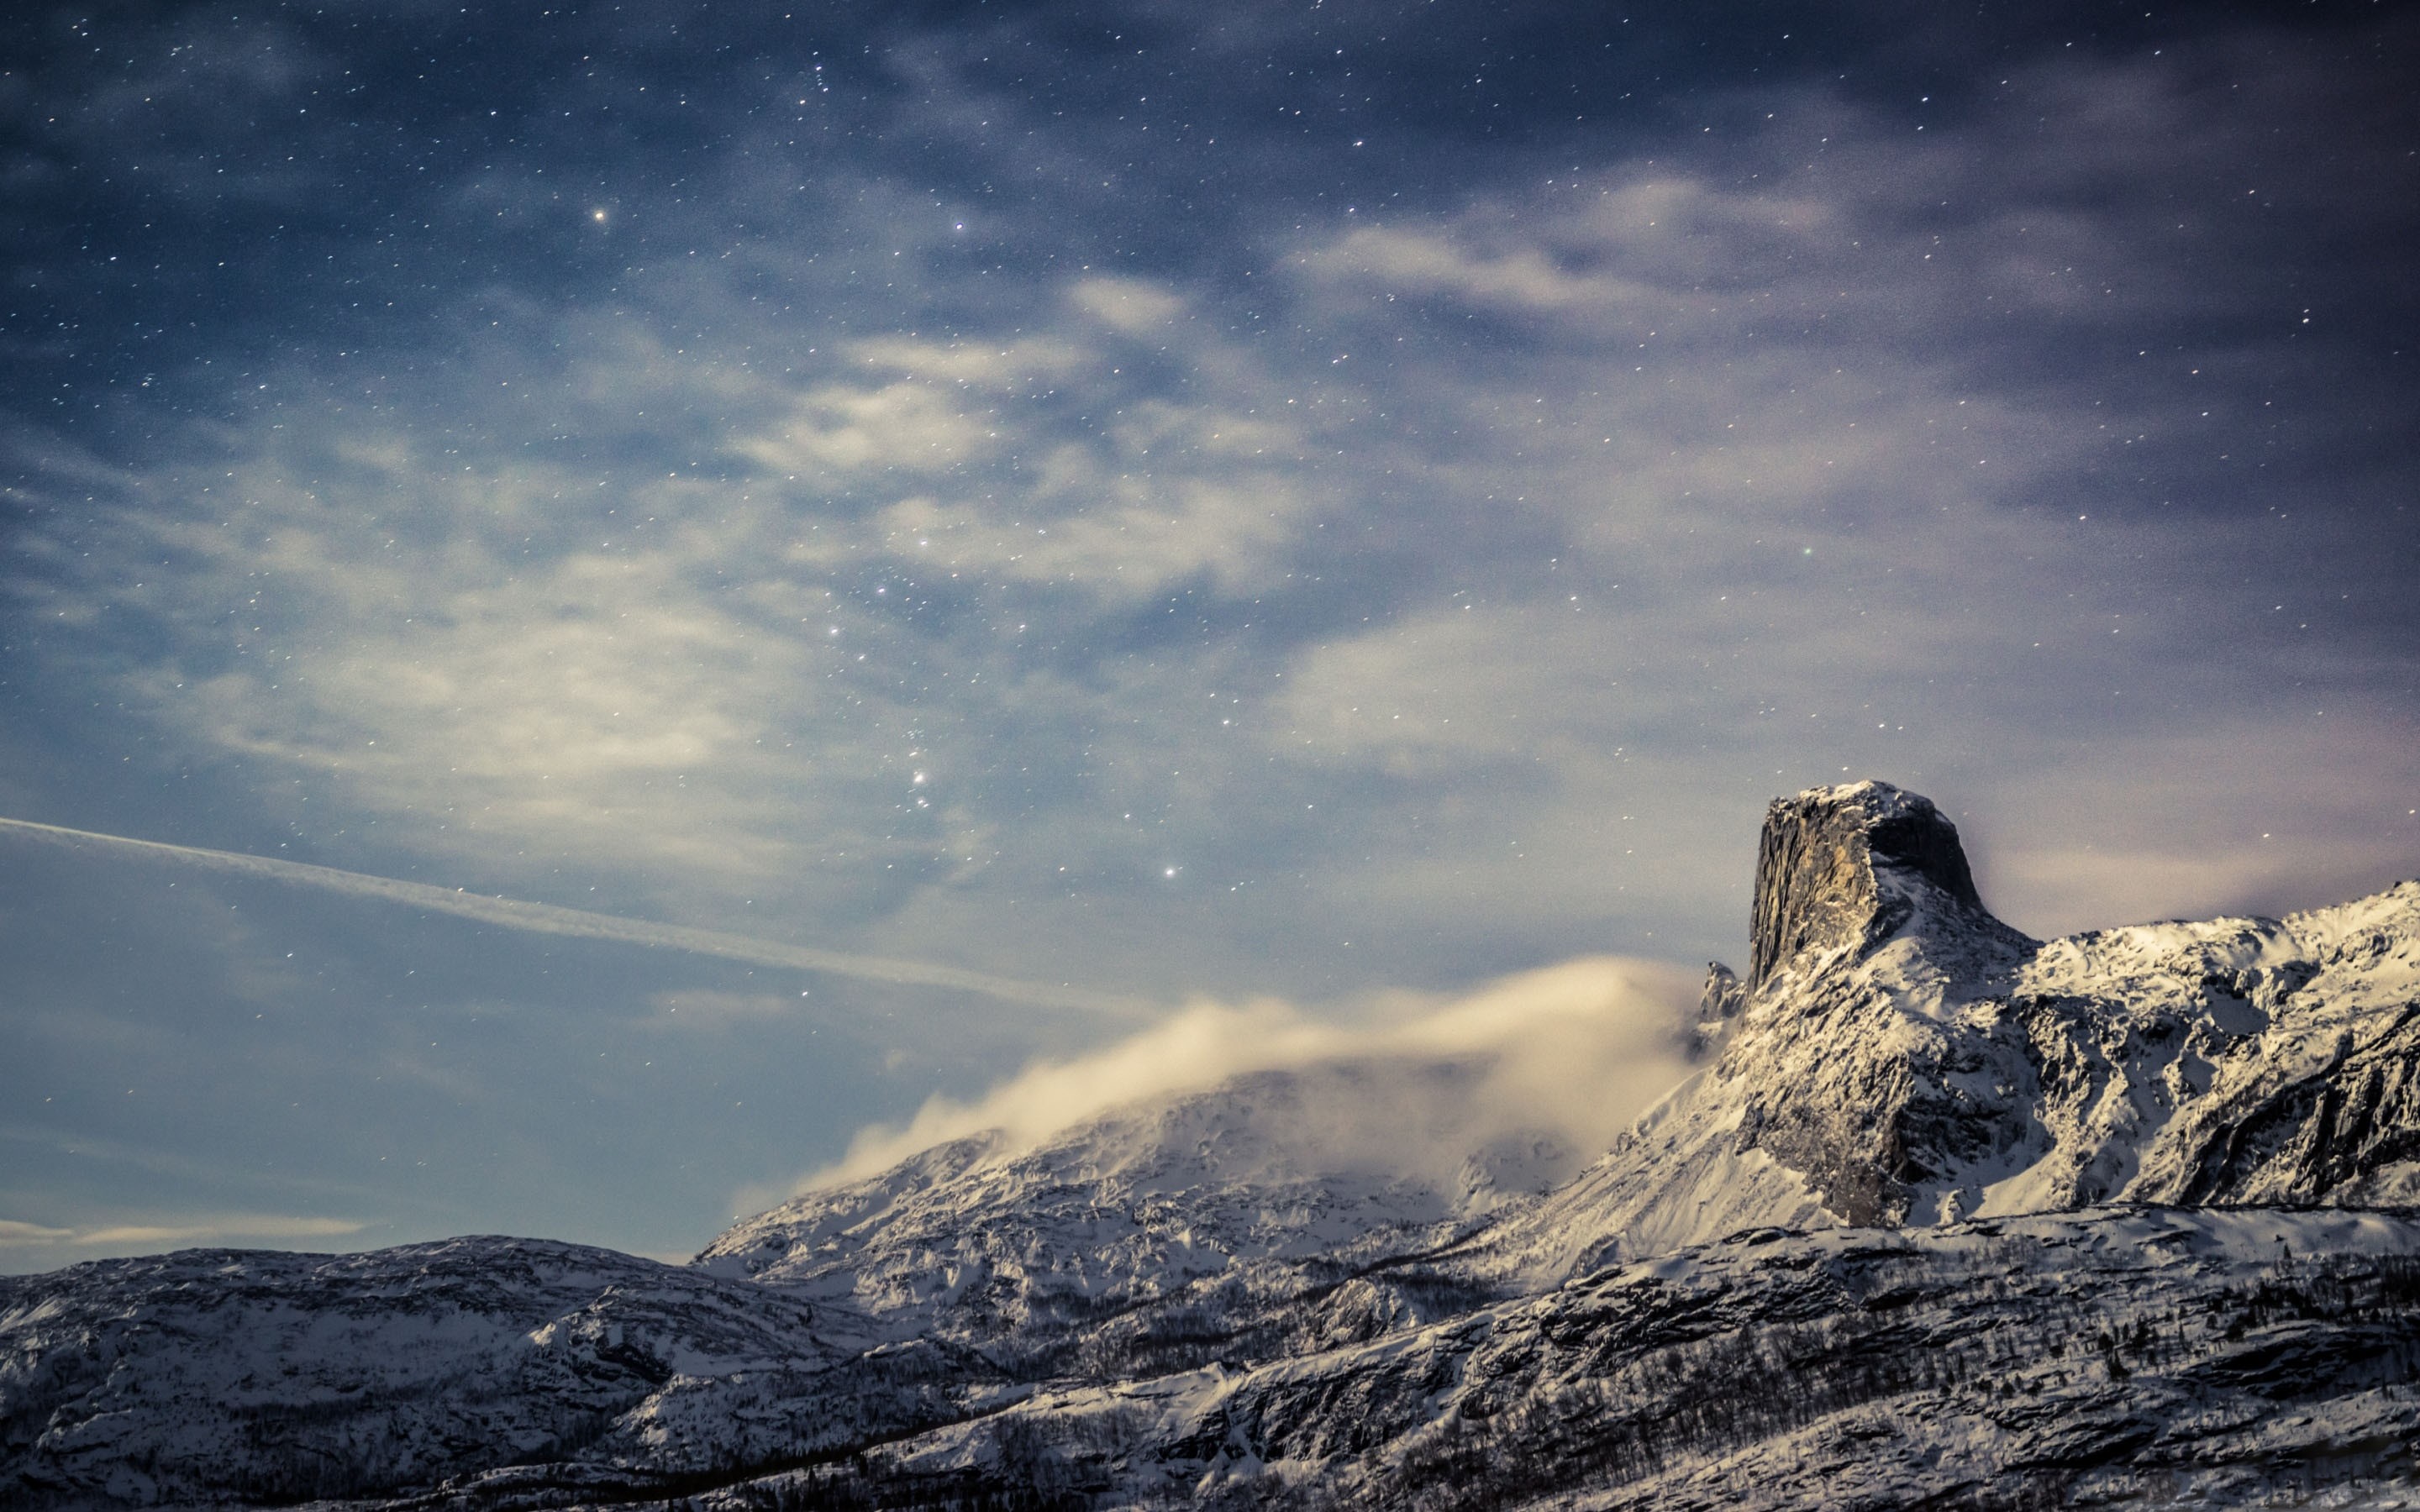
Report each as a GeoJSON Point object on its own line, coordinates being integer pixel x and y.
{"type": "Point", "coordinates": [1572, 1052]}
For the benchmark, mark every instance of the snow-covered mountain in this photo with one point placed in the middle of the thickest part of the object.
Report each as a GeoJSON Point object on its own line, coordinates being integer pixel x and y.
{"type": "Point", "coordinates": [2163, 1357]}
{"type": "Point", "coordinates": [252, 1378]}
{"type": "Point", "coordinates": [1233, 1199]}
{"type": "Point", "coordinates": [1897, 1055]}
{"type": "Point", "coordinates": [1944, 1215]}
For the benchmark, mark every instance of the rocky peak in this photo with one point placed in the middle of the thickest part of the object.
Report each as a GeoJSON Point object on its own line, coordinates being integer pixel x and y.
{"type": "Point", "coordinates": [1850, 865]}
{"type": "Point", "coordinates": [1722, 996]}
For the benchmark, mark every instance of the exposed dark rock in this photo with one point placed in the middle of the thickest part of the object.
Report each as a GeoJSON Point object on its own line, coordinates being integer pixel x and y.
{"type": "Point", "coordinates": [1862, 1092]}
{"type": "Point", "coordinates": [1847, 865]}
{"type": "Point", "coordinates": [1723, 995]}
{"type": "Point", "coordinates": [1719, 1003]}
{"type": "Point", "coordinates": [2317, 1137]}
{"type": "Point", "coordinates": [2110, 1357]}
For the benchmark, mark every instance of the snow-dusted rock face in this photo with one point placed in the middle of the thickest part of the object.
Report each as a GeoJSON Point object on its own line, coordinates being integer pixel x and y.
{"type": "Point", "coordinates": [1867, 941]}
{"type": "Point", "coordinates": [2116, 1356]}
{"type": "Point", "coordinates": [1898, 1055]}
{"type": "Point", "coordinates": [1845, 867]}
{"type": "Point", "coordinates": [2238, 1060]}
{"type": "Point", "coordinates": [252, 1378]}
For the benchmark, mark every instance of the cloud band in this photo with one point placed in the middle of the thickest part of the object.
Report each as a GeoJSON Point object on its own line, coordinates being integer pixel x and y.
{"type": "Point", "coordinates": [546, 919]}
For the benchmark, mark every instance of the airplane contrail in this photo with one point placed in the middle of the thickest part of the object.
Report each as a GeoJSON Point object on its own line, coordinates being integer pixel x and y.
{"type": "Point", "coordinates": [546, 919]}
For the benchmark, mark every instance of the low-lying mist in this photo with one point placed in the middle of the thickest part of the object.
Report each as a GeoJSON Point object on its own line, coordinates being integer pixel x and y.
{"type": "Point", "coordinates": [1547, 1067]}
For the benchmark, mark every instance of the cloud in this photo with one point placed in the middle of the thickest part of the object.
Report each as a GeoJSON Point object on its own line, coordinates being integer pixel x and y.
{"type": "Point", "coordinates": [2202, 830]}
{"type": "Point", "coordinates": [1440, 695]}
{"type": "Point", "coordinates": [548, 919]}
{"type": "Point", "coordinates": [700, 1008]}
{"type": "Point", "coordinates": [206, 109]}
{"type": "Point", "coordinates": [1020, 360]}
{"type": "Point", "coordinates": [1656, 250]}
{"type": "Point", "coordinates": [1130, 306]}
{"type": "Point", "coordinates": [877, 605]}
{"type": "Point", "coordinates": [988, 494]}
{"type": "Point", "coordinates": [184, 1229]}
{"type": "Point", "coordinates": [717, 680]}
{"type": "Point", "coordinates": [843, 430]}
{"type": "Point", "coordinates": [1125, 449]}
{"type": "Point", "coordinates": [509, 659]}
{"type": "Point", "coordinates": [1572, 1052]}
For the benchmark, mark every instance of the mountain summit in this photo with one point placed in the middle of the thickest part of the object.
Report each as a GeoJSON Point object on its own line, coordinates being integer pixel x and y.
{"type": "Point", "coordinates": [1850, 866]}
{"type": "Point", "coordinates": [1842, 872]}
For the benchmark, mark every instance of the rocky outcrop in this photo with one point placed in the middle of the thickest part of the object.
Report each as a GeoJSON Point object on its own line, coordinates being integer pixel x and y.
{"type": "Point", "coordinates": [2118, 1356]}
{"type": "Point", "coordinates": [1865, 935]}
{"type": "Point", "coordinates": [1719, 1002]}
{"type": "Point", "coordinates": [1911, 1058]}
{"type": "Point", "coordinates": [1847, 867]}
{"type": "Point", "coordinates": [1723, 995]}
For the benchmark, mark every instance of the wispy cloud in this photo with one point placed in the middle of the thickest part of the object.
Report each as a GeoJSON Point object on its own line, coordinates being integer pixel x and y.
{"type": "Point", "coordinates": [1728, 466]}
{"type": "Point", "coordinates": [545, 918]}
{"type": "Point", "coordinates": [204, 110]}
{"type": "Point", "coordinates": [1570, 1053]}
{"type": "Point", "coordinates": [149, 1233]}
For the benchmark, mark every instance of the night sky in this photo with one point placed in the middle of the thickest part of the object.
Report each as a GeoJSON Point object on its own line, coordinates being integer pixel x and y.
{"type": "Point", "coordinates": [1021, 518]}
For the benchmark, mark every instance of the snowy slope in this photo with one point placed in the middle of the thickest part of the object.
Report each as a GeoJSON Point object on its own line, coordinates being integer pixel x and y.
{"type": "Point", "coordinates": [2211, 1357]}
{"type": "Point", "coordinates": [256, 1377]}
{"type": "Point", "coordinates": [2179, 1357]}
{"type": "Point", "coordinates": [1231, 1200]}
{"type": "Point", "coordinates": [2240, 1060]}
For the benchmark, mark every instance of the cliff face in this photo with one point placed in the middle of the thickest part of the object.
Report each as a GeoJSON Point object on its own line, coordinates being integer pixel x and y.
{"type": "Point", "coordinates": [1866, 938]}
{"type": "Point", "coordinates": [1848, 866]}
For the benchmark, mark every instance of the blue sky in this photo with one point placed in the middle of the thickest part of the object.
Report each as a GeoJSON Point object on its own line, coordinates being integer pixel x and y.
{"type": "Point", "coordinates": [1327, 502]}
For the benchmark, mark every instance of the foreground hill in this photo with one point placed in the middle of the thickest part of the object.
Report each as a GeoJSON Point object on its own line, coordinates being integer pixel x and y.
{"type": "Point", "coordinates": [1946, 1216]}
{"type": "Point", "coordinates": [2172, 1357]}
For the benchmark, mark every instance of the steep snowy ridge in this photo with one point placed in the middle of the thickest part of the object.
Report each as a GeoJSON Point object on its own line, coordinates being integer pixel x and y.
{"type": "Point", "coordinates": [1944, 1215]}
